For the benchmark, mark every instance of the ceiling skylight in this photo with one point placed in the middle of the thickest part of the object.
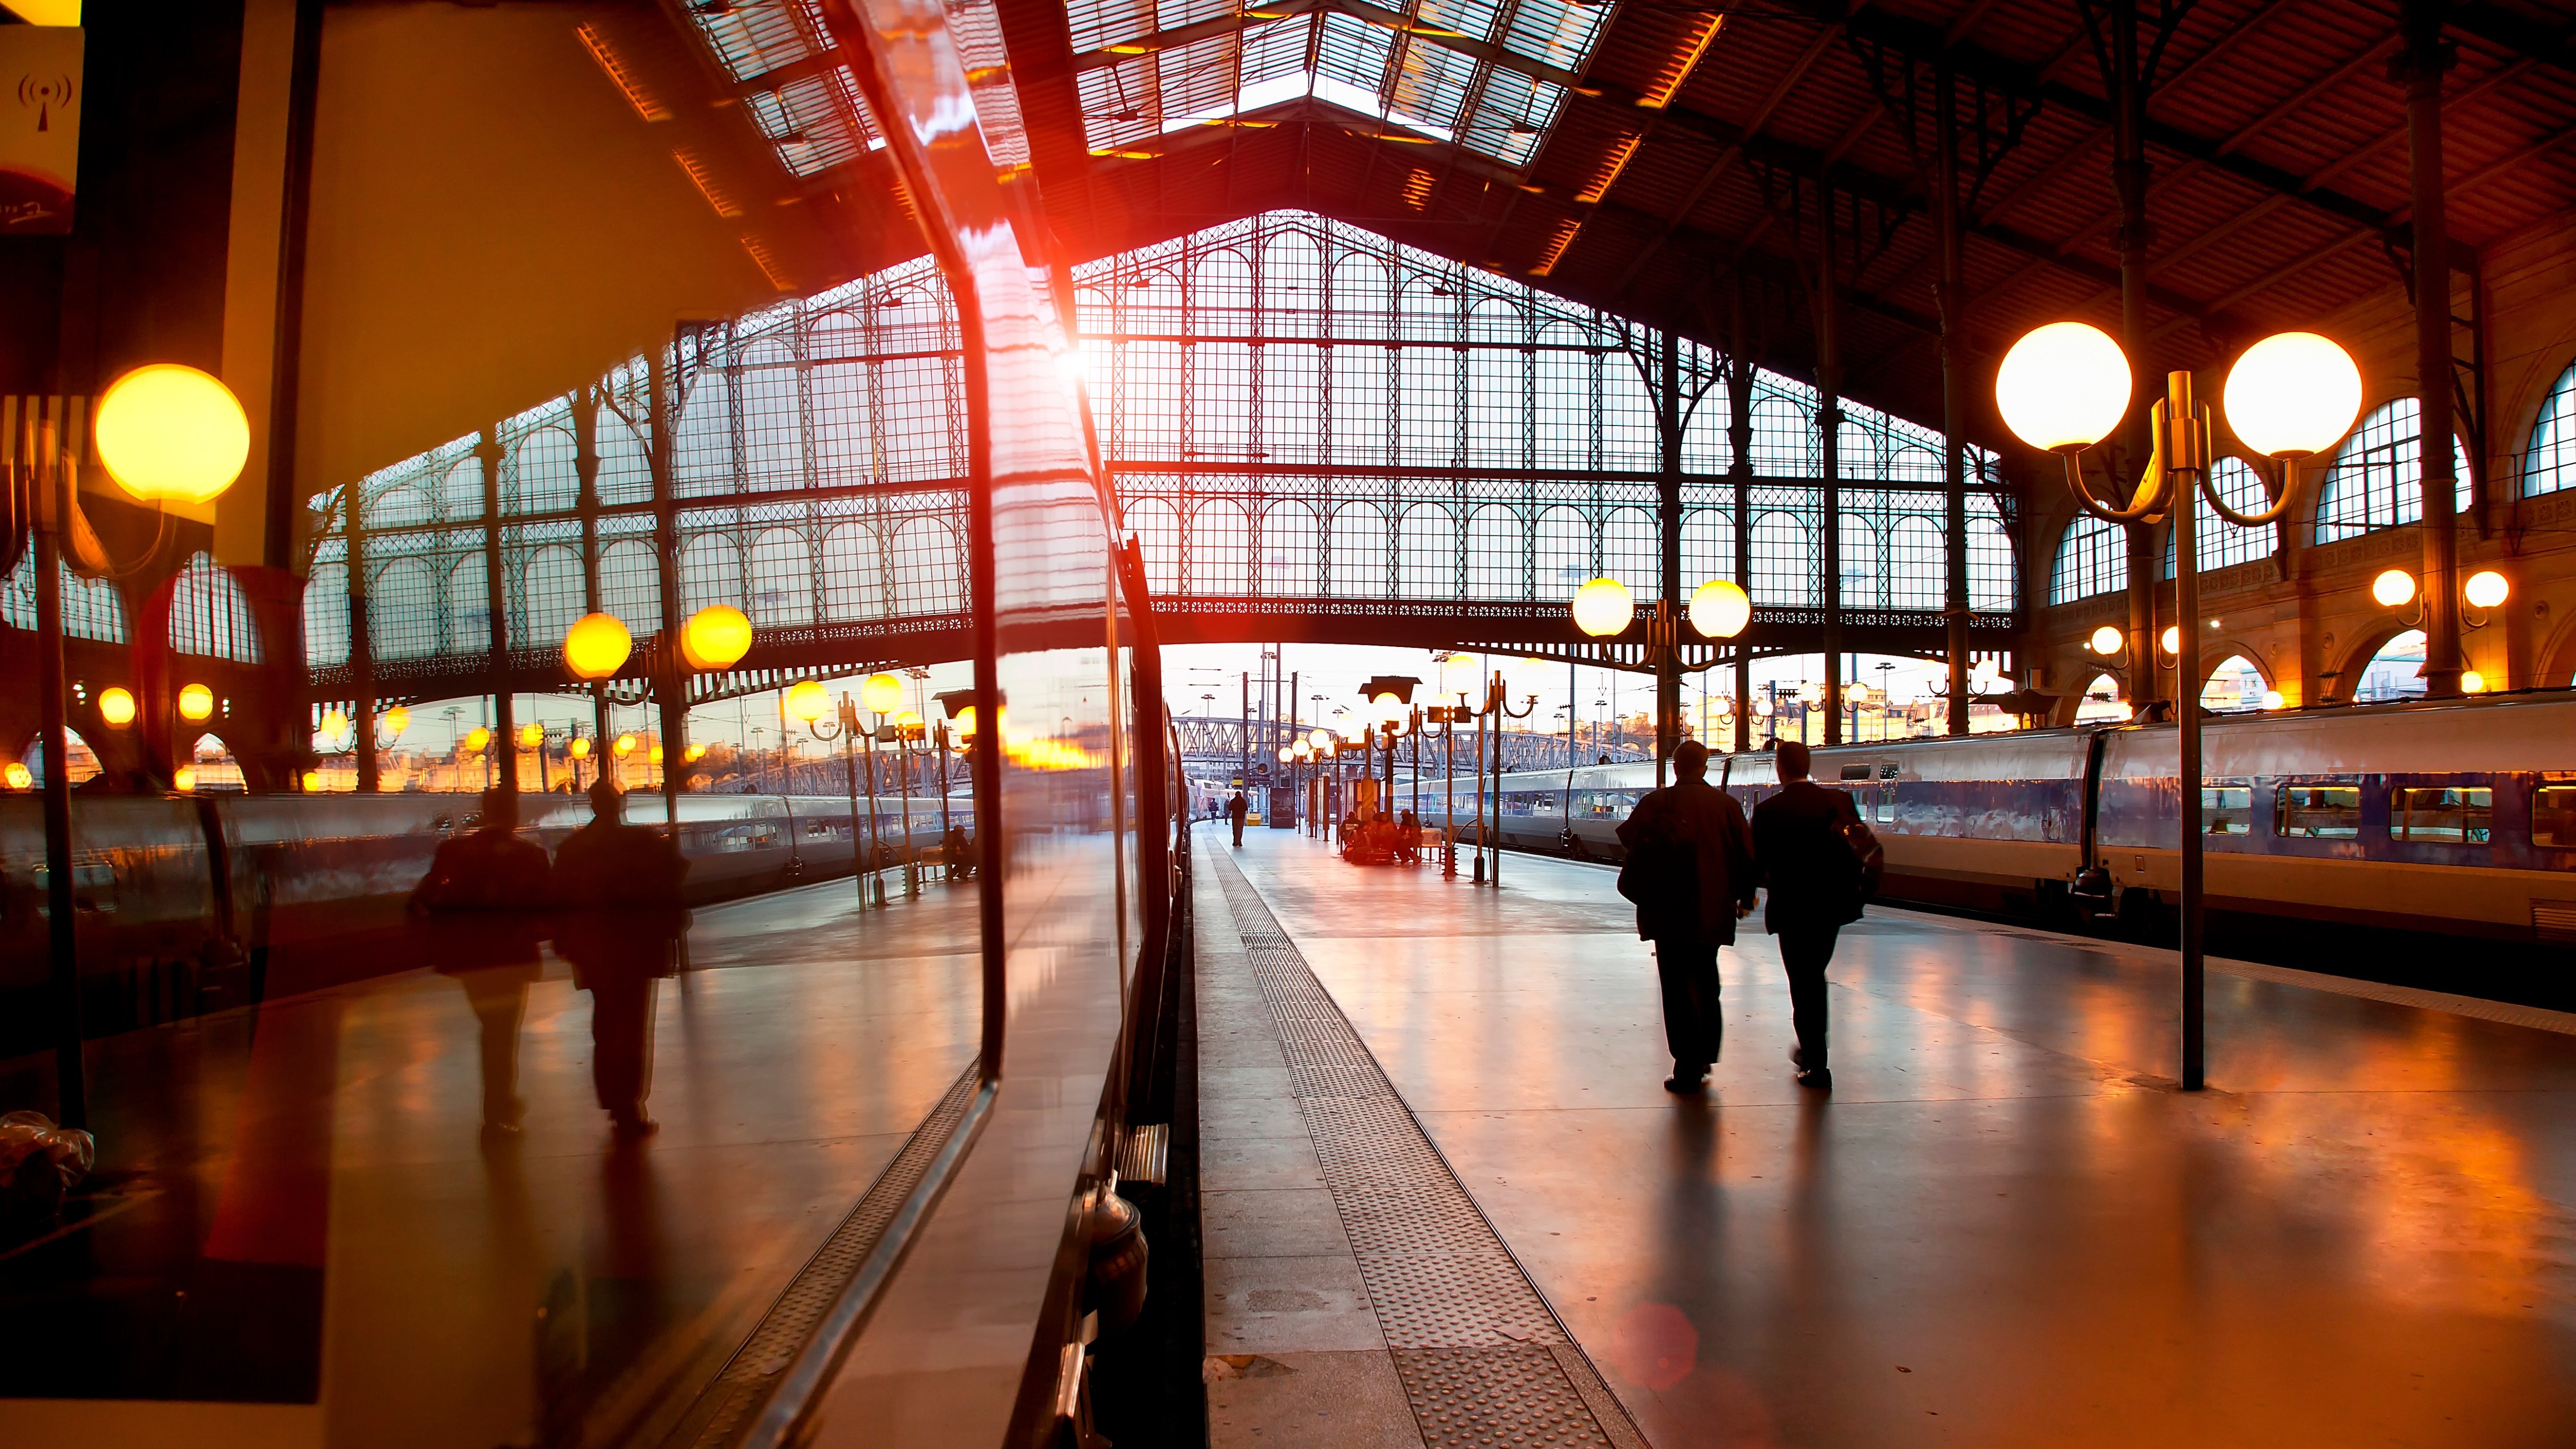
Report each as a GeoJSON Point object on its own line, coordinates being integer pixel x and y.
{"type": "Point", "coordinates": [1488, 75]}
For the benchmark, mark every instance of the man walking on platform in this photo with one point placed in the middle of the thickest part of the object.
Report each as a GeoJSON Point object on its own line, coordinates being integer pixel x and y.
{"type": "Point", "coordinates": [1815, 856]}
{"type": "Point", "coordinates": [1235, 809]}
{"type": "Point", "coordinates": [1690, 869]}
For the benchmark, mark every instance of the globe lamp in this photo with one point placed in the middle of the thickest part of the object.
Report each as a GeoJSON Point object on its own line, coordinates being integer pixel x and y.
{"type": "Point", "coordinates": [624, 746]}
{"type": "Point", "coordinates": [196, 701]}
{"type": "Point", "coordinates": [334, 724]}
{"type": "Point", "coordinates": [2063, 387]}
{"type": "Point", "coordinates": [654, 755]}
{"type": "Point", "coordinates": [1386, 709]}
{"type": "Point", "coordinates": [18, 776]}
{"type": "Point", "coordinates": [1855, 694]}
{"type": "Point", "coordinates": [2106, 640]}
{"type": "Point", "coordinates": [1321, 739]}
{"type": "Point", "coordinates": [1287, 756]}
{"type": "Point", "coordinates": [597, 646]}
{"type": "Point", "coordinates": [2170, 640]}
{"type": "Point", "coordinates": [2472, 682]}
{"type": "Point", "coordinates": [2486, 589]}
{"type": "Point", "coordinates": [907, 726]}
{"type": "Point", "coordinates": [692, 754]}
{"type": "Point", "coordinates": [185, 779]}
{"type": "Point", "coordinates": [807, 701]}
{"type": "Point", "coordinates": [476, 738]}
{"type": "Point", "coordinates": [2393, 589]}
{"type": "Point", "coordinates": [964, 719]}
{"type": "Point", "coordinates": [394, 721]}
{"type": "Point", "coordinates": [2272, 699]}
{"type": "Point", "coordinates": [1719, 609]}
{"type": "Point", "coordinates": [1603, 608]}
{"type": "Point", "coordinates": [579, 749]}
{"type": "Point", "coordinates": [531, 735]}
{"type": "Point", "coordinates": [312, 782]}
{"type": "Point", "coordinates": [1457, 673]}
{"type": "Point", "coordinates": [882, 694]}
{"type": "Point", "coordinates": [168, 433]}
{"type": "Point", "coordinates": [2292, 395]}
{"type": "Point", "coordinates": [716, 637]}
{"type": "Point", "coordinates": [116, 706]}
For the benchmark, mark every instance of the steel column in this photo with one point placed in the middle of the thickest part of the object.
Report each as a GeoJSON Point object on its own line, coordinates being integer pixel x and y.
{"type": "Point", "coordinates": [2421, 64]}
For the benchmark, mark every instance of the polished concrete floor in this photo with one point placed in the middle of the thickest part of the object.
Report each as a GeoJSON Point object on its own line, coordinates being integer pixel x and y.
{"type": "Point", "coordinates": [303, 1232]}
{"type": "Point", "coordinates": [2004, 1226]}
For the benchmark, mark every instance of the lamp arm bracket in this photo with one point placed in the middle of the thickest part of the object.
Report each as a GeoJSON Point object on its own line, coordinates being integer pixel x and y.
{"type": "Point", "coordinates": [2283, 501]}
{"type": "Point", "coordinates": [2143, 509]}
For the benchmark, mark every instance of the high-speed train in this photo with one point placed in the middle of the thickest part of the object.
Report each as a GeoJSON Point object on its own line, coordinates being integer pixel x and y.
{"type": "Point", "coordinates": [2456, 818]}
{"type": "Point", "coordinates": [189, 904]}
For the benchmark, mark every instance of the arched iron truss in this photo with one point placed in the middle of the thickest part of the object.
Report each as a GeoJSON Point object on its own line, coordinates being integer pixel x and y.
{"type": "Point", "coordinates": [1315, 434]}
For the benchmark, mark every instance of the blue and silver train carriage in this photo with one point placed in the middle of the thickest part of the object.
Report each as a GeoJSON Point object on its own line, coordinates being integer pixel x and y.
{"type": "Point", "coordinates": [2457, 818]}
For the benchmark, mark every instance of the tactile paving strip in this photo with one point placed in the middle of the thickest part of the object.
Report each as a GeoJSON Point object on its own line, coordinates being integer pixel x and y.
{"type": "Point", "coordinates": [1472, 1337]}
{"type": "Point", "coordinates": [1494, 1396]}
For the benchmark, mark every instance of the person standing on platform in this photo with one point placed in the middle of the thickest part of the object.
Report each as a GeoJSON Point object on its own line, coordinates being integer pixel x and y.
{"type": "Point", "coordinates": [619, 923]}
{"type": "Point", "coordinates": [482, 909]}
{"type": "Point", "coordinates": [1236, 807]}
{"type": "Point", "coordinates": [1816, 857]}
{"type": "Point", "coordinates": [1690, 870]}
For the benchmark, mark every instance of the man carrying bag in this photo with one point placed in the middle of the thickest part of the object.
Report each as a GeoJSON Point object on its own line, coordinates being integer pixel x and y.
{"type": "Point", "coordinates": [1820, 862]}
{"type": "Point", "coordinates": [1691, 873]}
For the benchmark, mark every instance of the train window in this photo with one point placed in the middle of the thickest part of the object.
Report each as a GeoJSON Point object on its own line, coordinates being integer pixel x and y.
{"type": "Point", "coordinates": [2449, 815]}
{"type": "Point", "coordinates": [2317, 812]}
{"type": "Point", "coordinates": [2227, 809]}
{"type": "Point", "coordinates": [2553, 816]}
{"type": "Point", "coordinates": [1858, 772]}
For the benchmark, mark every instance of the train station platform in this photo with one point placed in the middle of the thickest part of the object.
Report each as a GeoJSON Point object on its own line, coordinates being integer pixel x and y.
{"type": "Point", "coordinates": [308, 1227]}
{"type": "Point", "coordinates": [1447, 1199]}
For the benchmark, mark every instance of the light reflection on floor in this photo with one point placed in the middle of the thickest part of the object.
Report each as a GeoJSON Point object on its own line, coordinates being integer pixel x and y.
{"type": "Point", "coordinates": [323, 1205]}
{"type": "Point", "coordinates": [2004, 1228]}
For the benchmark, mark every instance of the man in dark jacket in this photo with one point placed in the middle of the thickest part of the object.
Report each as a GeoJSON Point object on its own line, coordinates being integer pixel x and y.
{"type": "Point", "coordinates": [482, 909]}
{"type": "Point", "coordinates": [1690, 870]}
{"type": "Point", "coordinates": [1801, 837]}
{"type": "Point", "coordinates": [619, 919]}
{"type": "Point", "coordinates": [1236, 807]}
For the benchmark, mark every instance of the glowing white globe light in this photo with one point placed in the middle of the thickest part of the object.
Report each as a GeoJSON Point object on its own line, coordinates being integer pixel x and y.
{"type": "Point", "coordinates": [168, 432]}
{"type": "Point", "coordinates": [2472, 682]}
{"type": "Point", "coordinates": [1603, 608]}
{"type": "Point", "coordinates": [2393, 589]}
{"type": "Point", "coordinates": [2271, 699]}
{"type": "Point", "coordinates": [1719, 609]}
{"type": "Point", "coordinates": [2106, 640]}
{"type": "Point", "coordinates": [2170, 639]}
{"type": "Point", "coordinates": [2486, 589]}
{"type": "Point", "coordinates": [2292, 395]}
{"type": "Point", "coordinates": [2063, 386]}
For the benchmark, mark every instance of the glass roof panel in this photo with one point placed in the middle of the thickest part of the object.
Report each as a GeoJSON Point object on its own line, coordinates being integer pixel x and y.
{"type": "Point", "coordinates": [1560, 32]}
{"type": "Point", "coordinates": [753, 37]}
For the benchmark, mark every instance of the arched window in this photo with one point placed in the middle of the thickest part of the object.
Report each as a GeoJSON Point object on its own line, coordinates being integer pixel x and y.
{"type": "Point", "coordinates": [853, 576]}
{"type": "Point", "coordinates": [782, 579]}
{"type": "Point", "coordinates": [1918, 563]}
{"type": "Point", "coordinates": [1157, 526]}
{"type": "Point", "coordinates": [1427, 552]}
{"type": "Point", "coordinates": [402, 610]}
{"type": "Point", "coordinates": [1994, 579]}
{"type": "Point", "coordinates": [1359, 551]}
{"type": "Point", "coordinates": [550, 596]}
{"type": "Point", "coordinates": [630, 586]}
{"type": "Point", "coordinates": [1220, 548]}
{"type": "Point", "coordinates": [710, 573]}
{"type": "Point", "coordinates": [2093, 558]}
{"type": "Point", "coordinates": [1632, 552]}
{"type": "Point", "coordinates": [84, 759]}
{"type": "Point", "coordinates": [326, 616]}
{"type": "Point", "coordinates": [1784, 560]}
{"type": "Point", "coordinates": [1708, 546]}
{"type": "Point", "coordinates": [2378, 478]}
{"type": "Point", "coordinates": [92, 609]}
{"type": "Point", "coordinates": [1291, 552]}
{"type": "Point", "coordinates": [1564, 553]}
{"type": "Point", "coordinates": [2395, 672]}
{"type": "Point", "coordinates": [2549, 462]}
{"type": "Point", "coordinates": [469, 607]}
{"type": "Point", "coordinates": [2101, 701]}
{"type": "Point", "coordinates": [2236, 686]}
{"type": "Point", "coordinates": [209, 614]}
{"type": "Point", "coordinates": [2219, 542]}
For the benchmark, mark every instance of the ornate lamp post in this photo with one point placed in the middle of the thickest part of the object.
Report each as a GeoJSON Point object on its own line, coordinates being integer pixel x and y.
{"type": "Point", "coordinates": [165, 433]}
{"type": "Point", "coordinates": [807, 701]}
{"type": "Point", "coordinates": [2063, 388]}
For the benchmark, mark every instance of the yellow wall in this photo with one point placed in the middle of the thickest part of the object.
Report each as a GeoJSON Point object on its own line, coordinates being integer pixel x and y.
{"type": "Point", "coordinates": [492, 225]}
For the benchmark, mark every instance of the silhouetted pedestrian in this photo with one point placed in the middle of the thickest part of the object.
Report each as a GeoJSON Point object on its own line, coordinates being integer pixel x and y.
{"type": "Point", "coordinates": [1236, 808]}
{"type": "Point", "coordinates": [1691, 873]}
{"type": "Point", "coordinates": [1814, 853]}
{"type": "Point", "coordinates": [619, 923]}
{"type": "Point", "coordinates": [482, 908]}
